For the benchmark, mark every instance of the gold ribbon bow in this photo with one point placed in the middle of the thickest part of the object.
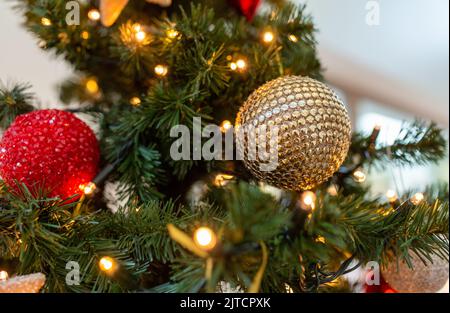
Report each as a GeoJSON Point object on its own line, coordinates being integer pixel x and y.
{"type": "Point", "coordinates": [110, 9]}
{"type": "Point", "coordinates": [186, 242]}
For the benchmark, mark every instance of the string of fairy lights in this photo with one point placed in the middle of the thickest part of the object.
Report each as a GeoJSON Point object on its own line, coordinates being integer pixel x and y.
{"type": "Point", "coordinates": [205, 237]}
{"type": "Point", "coordinates": [138, 36]}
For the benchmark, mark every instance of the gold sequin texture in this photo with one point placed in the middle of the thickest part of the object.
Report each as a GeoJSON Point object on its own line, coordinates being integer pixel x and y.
{"type": "Point", "coordinates": [422, 278]}
{"type": "Point", "coordinates": [23, 284]}
{"type": "Point", "coordinates": [314, 131]}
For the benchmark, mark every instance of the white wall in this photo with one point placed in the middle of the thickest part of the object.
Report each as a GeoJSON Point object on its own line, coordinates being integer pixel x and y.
{"type": "Point", "coordinates": [22, 61]}
{"type": "Point", "coordinates": [410, 44]}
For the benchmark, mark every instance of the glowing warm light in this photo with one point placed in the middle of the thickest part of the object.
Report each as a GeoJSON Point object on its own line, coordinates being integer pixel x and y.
{"type": "Point", "coordinates": [417, 198]}
{"type": "Point", "coordinates": [3, 275]}
{"type": "Point", "coordinates": [85, 35]}
{"type": "Point", "coordinates": [293, 38]}
{"type": "Point", "coordinates": [88, 189]}
{"type": "Point", "coordinates": [359, 176]}
{"type": "Point", "coordinates": [332, 191]}
{"type": "Point", "coordinates": [225, 126]}
{"type": "Point", "coordinates": [137, 27]}
{"type": "Point", "coordinates": [320, 239]}
{"type": "Point", "coordinates": [94, 15]}
{"type": "Point", "coordinates": [140, 36]}
{"type": "Point", "coordinates": [268, 37]}
{"type": "Point", "coordinates": [92, 86]}
{"type": "Point", "coordinates": [308, 200]}
{"type": "Point", "coordinates": [233, 66]}
{"type": "Point", "coordinates": [222, 179]}
{"type": "Point", "coordinates": [172, 33]}
{"type": "Point", "coordinates": [135, 101]}
{"type": "Point", "coordinates": [205, 238]}
{"type": "Point", "coordinates": [45, 21]}
{"type": "Point", "coordinates": [161, 70]}
{"type": "Point", "coordinates": [63, 37]}
{"type": "Point", "coordinates": [241, 64]}
{"type": "Point", "coordinates": [391, 195]}
{"type": "Point", "coordinates": [107, 264]}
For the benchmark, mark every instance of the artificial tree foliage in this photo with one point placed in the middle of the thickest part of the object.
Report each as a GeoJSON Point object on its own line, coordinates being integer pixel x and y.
{"type": "Point", "coordinates": [196, 41]}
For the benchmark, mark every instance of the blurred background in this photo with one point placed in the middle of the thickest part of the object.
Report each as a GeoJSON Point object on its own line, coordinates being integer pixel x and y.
{"type": "Point", "coordinates": [389, 61]}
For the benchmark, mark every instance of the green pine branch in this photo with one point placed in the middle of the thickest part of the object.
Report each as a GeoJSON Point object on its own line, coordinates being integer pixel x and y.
{"type": "Point", "coordinates": [14, 100]}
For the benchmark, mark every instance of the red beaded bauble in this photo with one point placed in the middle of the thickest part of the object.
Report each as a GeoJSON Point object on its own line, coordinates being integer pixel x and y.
{"type": "Point", "coordinates": [49, 150]}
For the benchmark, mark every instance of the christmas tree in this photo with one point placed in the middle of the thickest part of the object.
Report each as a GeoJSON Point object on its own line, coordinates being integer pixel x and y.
{"type": "Point", "coordinates": [139, 208]}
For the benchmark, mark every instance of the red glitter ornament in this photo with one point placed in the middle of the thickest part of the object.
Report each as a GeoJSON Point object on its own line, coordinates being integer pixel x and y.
{"type": "Point", "coordinates": [383, 287]}
{"type": "Point", "coordinates": [49, 150]}
{"type": "Point", "coordinates": [246, 7]}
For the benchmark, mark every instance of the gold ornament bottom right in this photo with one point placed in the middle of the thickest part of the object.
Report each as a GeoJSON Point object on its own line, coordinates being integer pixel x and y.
{"type": "Point", "coordinates": [428, 278]}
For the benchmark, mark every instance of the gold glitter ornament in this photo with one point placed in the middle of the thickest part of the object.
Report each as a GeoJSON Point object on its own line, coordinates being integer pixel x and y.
{"type": "Point", "coordinates": [23, 284]}
{"type": "Point", "coordinates": [422, 278]}
{"type": "Point", "coordinates": [314, 132]}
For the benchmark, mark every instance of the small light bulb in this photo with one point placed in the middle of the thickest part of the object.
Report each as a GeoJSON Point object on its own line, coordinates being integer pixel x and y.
{"type": "Point", "coordinates": [137, 27]}
{"type": "Point", "coordinates": [233, 66]}
{"type": "Point", "coordinates": [161, 70]}
{"type": "Point", "coordinates": [222, 180]}
{"type": "Point", "coordinates": [205, 238]}
{"type": "Point", "coordinates": [135, 101]}
{"type": "Point", "coordinates": [417, 198]}
{"type": "Point", "coordinates": [391, 195]}
{"type": "Point", "coordinates": [225, 126]}
{"type": "Point", "coordinates": [268, 37]}
{"type": "Point", "coordinates": [85, 35]}
{"type": "Point", "coordinates": [359, 176]}
{"type": "Point", "coordinates": [320, 239]}
{"type": "Point", "coordinates": [140, 36]}
{"type": "Point", "coordinates": [293, 38]}
{"type": "Point", "coordinates": [92, 86]}
{"type": "Point", "coordinates": [94, 15]}
{"type": "Point", "coordinates": [88, 189]}
{"type": "Point", "coordinates": [46, 21]}
{"type": "Point", "coordinates": [308, 200]}
{"type": "Point", "coordinates": [107, 264]}
{"type": "Point", "coordinates": [3, 275]}
{"type": "Point", "coordinates": [241, 64]}
{"type": "Point", "coordinates": [332, 191]}
{"type": "Point", "coordinates": [172, 33]}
